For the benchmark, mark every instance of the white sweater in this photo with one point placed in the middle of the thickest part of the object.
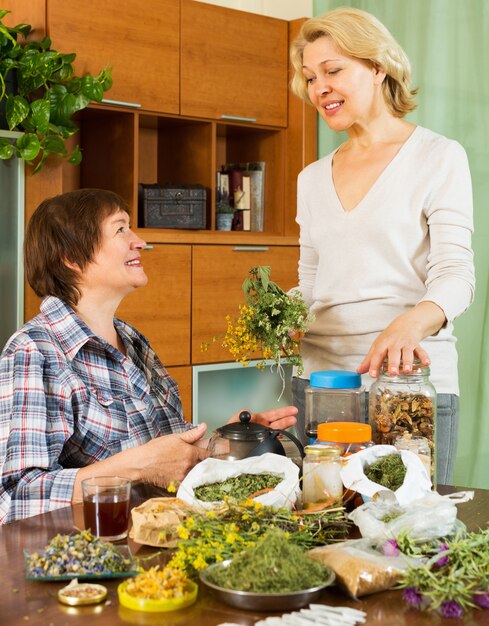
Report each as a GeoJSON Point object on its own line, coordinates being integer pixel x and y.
{"type": "Point", "coordinates": [408, 240]}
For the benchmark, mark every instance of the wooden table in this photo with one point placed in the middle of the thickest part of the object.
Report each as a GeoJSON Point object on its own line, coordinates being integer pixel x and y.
{"type": "Point", "coordinates": [35, 603]}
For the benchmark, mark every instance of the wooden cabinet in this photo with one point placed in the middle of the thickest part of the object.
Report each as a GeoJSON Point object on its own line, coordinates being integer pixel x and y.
{"type": "Point", "coordinates": [233, 64]}
{"type": "Point", "coordinates": [140, 41]}
{"type": "Point", "coordinates": [188, 64]}
{"type": "Point", "coordinates": [217, 275]}
{"type": "Point", "coordinates": [161, 310]}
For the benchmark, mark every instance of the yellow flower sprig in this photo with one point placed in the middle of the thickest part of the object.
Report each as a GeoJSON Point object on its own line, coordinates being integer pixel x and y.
{"type": "Point", "coordinates": [271, 323]}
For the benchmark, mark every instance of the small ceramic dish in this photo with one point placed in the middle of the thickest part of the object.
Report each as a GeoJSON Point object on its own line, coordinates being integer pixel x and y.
{"type": "Point", "coordinates": [263, 601]}
{"type": "Point", "coordinates": [156, 606]}
{"type": "Point", "coordinates": [82, 594]}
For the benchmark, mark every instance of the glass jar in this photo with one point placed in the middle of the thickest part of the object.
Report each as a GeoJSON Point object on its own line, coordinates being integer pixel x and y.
{"type": "Point", "coordinates": [402, 404]}
{"type": "Point", "coordinates": [321, 480]}
{"type": "Point", "coordinates": [351, 437]}
{"type": "Point", "coordinates": [420, 446]}
{"type": "Point", "coordinates": [333, 396]}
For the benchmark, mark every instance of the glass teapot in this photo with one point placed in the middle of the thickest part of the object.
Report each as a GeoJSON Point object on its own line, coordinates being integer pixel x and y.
{"type": "Point", "coordinates": [243, 439]}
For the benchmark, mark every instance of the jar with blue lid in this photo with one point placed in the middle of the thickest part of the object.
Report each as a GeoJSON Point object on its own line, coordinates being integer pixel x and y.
{"type": "Point", "coordinates": [333, 396]}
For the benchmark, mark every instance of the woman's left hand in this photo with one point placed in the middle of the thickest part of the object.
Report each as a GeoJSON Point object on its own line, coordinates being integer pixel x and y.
{"type": "Point", "coordinates": [281, 418]}
{"type": "Point", "coordinates": [401, 340]}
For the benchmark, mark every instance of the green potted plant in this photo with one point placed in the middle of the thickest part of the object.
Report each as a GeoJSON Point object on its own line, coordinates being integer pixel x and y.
{"type": "Point", "coordinates": [44, 95]}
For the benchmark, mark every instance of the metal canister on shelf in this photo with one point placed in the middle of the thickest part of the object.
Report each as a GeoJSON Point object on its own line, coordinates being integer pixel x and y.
{"type": "Point", "coordinates": [332, 396]}
{"type": "Point", "coordinates": [351, 437]}
{"type": "Point", "coordinates": [403, 404]}
{"type": "Point", "coordinates": [321, 475]}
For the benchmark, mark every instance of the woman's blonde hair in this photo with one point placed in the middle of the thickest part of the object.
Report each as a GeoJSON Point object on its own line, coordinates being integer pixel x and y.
{"type": "Point", "coordinates": [362, 36]}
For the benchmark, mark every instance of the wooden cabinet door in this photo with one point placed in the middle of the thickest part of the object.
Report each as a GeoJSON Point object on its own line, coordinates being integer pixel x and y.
{"type": "Point", "coordinates": [161, 310]}
{"type": "Point", "coordinates": [234, 63]}
{"type": "Point", "coordinates": [217, 276]}
{"type": "Point", "coordinates": [139, 40]}
{"type": "Point", "coordinates": [183, 376]}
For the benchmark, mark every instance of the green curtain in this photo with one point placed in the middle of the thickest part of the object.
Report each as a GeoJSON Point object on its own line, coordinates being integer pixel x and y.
{"type": "Point", "coordinates": [447, 42]}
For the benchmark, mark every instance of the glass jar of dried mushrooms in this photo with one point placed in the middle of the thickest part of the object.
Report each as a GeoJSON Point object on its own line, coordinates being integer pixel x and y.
{"type": "Point", "coordinates": [403, 405]}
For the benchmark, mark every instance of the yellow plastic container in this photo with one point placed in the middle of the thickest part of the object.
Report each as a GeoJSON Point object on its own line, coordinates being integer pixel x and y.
{"type": "Point", "coordinates": [157, 606]}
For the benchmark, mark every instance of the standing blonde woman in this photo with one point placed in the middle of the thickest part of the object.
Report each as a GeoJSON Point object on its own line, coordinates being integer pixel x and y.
{"type": "Point", "coordinates": [385, 220]}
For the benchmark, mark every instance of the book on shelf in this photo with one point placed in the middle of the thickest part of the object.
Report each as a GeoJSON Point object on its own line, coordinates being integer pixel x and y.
{"type": "Point", "coordinates": [245, 187]}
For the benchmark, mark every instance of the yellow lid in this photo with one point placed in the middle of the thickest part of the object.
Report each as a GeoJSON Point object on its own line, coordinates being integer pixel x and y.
{"type": "Point", "coordinates": [323, 450]}
{"type": "Point", "coordinates": [155, 606]}
{"type": "Point", "coordinates": [344, 432]}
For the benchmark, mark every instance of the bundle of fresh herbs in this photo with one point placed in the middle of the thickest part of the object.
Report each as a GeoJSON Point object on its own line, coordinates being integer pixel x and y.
{"type": "Point", "coordinates": [237, 487]}
{"type": "Point", "coordinates": [219, 534]}
{"type": "Point", "coordinates": [271, 323]}
{"type": "Point", "coordinates": [388, 471]}
{"type": "Point", "coordinates": [455, 576]}
{"type": "Point", "coordinates": [272, 565]}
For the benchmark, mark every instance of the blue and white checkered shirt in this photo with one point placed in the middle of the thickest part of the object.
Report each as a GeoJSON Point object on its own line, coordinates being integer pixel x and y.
{"type": "Point", "coordinates": [67, 399]}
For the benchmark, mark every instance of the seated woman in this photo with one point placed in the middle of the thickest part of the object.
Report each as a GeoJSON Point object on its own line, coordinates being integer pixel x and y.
{"type": "Point", "coordinates": [82, 393]}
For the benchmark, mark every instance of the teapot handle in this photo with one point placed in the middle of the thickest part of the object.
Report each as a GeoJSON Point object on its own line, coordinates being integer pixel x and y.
{"type": "Point", "coordinates": [293, 438]}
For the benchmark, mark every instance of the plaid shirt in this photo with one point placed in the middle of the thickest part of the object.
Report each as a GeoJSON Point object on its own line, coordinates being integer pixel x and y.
{"type": "Point", "coordinates": [67, 399]}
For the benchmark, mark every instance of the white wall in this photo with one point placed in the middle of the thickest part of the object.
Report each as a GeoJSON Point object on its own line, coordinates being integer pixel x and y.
{"type": "Point", "coordinates": [283, 9]}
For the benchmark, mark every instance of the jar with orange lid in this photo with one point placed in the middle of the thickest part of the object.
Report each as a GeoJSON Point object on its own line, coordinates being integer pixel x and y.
{"type": "Point", "coordinates": [351, 437]}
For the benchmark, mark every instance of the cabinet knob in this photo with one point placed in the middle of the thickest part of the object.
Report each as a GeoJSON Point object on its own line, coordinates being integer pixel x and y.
{"type": "Point", "coordinates": [148, 246]}
{"type": "Point", "coordinates": [250, 248]}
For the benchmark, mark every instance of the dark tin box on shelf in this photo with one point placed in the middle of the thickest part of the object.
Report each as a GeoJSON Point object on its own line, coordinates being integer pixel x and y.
{"type": "Point", "coordinates": [172, 206]}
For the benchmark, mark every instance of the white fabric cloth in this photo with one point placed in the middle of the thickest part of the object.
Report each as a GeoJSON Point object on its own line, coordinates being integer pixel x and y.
{"type": "Point", "coordinates": [408, 240]}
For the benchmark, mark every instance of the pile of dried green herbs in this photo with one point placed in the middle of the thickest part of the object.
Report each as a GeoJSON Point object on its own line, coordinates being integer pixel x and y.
{"type": "Point", "coordinates": [388, 471]}
{"type": "Point", "coordinates": [220, 533]}
{"type": "Point", "coordinates": [273, 565]}
{"type": "Point", "coordinates": [237, 487]}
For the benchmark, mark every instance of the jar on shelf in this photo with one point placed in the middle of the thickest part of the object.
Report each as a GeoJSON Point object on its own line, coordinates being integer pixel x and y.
{"type": "Point", "coordinates": [321, 480]}
{"type": "Point", "coordinates": [333, 396]}
{"type": "Point", "coordinates": [351, 437]}
{"type": "Point", "coordinates": [403, 404]}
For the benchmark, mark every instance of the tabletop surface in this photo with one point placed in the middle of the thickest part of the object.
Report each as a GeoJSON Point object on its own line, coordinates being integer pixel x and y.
{"type": "Point", "coordinates": [35, 603]}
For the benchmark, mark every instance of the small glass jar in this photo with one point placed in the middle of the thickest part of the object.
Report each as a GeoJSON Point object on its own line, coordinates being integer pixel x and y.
{"type": "Point", "coordinates": [403, 404]}
{"type": "Point", "coordinates": [321, 480]}
{"type": "Point", "coordinates": [333, 396]}
{"type": "Point", "coordinates": [420, 446]}
{"type": "Point", "coordinates": [351, 437]}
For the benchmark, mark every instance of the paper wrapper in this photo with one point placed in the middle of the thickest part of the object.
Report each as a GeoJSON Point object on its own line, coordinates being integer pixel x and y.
{"type": "Point", "coordinates": [154, 523]}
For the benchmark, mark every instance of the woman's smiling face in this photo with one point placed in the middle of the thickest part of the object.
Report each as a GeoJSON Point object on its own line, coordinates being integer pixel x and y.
{"type": "Point", "coordinates": [346, 91]}
{"type": "Point", "coordinates": [116, 268]}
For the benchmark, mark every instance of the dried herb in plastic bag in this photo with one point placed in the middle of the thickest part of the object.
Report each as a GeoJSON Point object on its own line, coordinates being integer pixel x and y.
{"type": "Point", "coordinates": [237, 487]}
{"type": "Point", "coordinates": [388, 471]}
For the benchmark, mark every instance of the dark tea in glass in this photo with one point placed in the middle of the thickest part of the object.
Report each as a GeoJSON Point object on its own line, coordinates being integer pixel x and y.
{"type": "Point", "coordinates": [106, 506]}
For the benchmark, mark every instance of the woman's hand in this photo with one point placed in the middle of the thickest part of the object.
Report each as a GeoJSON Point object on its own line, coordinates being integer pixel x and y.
{"type": "Point", "coordinates": [400, 341]}
{"type": "Point", "coordinates": [281, 418]}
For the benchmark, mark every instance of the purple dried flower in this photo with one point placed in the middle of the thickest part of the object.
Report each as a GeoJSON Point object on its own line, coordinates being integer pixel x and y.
{"type": "Point", "coordinates": [412, 596]}
{"type": "Point", "coordinates": [442, 561]}
{"type": "Point", "coordinates": [451, 608]}
{"type": "Point", "coordinates": [481, 599]}
{"type": "Point", "coordinates": [391, 548]}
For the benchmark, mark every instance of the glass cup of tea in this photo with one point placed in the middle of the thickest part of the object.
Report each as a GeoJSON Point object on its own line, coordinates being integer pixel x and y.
{"type": "Point", "coordinates": [106, 506]}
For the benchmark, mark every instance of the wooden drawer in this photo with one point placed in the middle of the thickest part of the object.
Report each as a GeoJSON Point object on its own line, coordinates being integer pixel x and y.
{"type": "Point", "coordinates": [234, 63]}
{"type": "Point", "coordinates": [161, 310]}
{"type": "Point", "coordinates": [217, 275]}
{"type": "Point", "coordinates": [141, 42]}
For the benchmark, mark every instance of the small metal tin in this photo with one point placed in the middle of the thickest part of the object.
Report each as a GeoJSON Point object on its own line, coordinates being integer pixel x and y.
{"type": "Point", "coordinates": [82, 594]}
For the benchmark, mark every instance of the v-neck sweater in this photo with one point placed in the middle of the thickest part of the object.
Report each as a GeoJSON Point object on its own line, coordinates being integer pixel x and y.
{"type": "Point", "coordinates": [408, 240]}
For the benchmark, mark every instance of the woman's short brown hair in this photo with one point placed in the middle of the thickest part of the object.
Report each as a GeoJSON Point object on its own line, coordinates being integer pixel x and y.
{"type": "Point", "coordinates": [362, 36]}
{"type": "Point", "coordinates": [66, 228]}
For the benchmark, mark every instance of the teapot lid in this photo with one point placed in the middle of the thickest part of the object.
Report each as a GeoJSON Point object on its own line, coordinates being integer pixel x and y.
{"type": "Point", "coordinates": [244, 430]}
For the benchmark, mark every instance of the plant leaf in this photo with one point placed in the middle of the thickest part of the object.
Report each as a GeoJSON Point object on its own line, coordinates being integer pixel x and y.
{"type": "Point", "coordinates": [7, 149]}
{"type": "Point", "coordinates": [76, 156]}
{"type": "Point", "coordinates": [28, 146]}
{"type": "Point", "coordinates": [40, 111]}
{"type": "Point", "coordinates": [51, 143]}
{"type": "Point", "coordinates": [91, 88]}
{"type": "Point", "coordinates": [17, 109]}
